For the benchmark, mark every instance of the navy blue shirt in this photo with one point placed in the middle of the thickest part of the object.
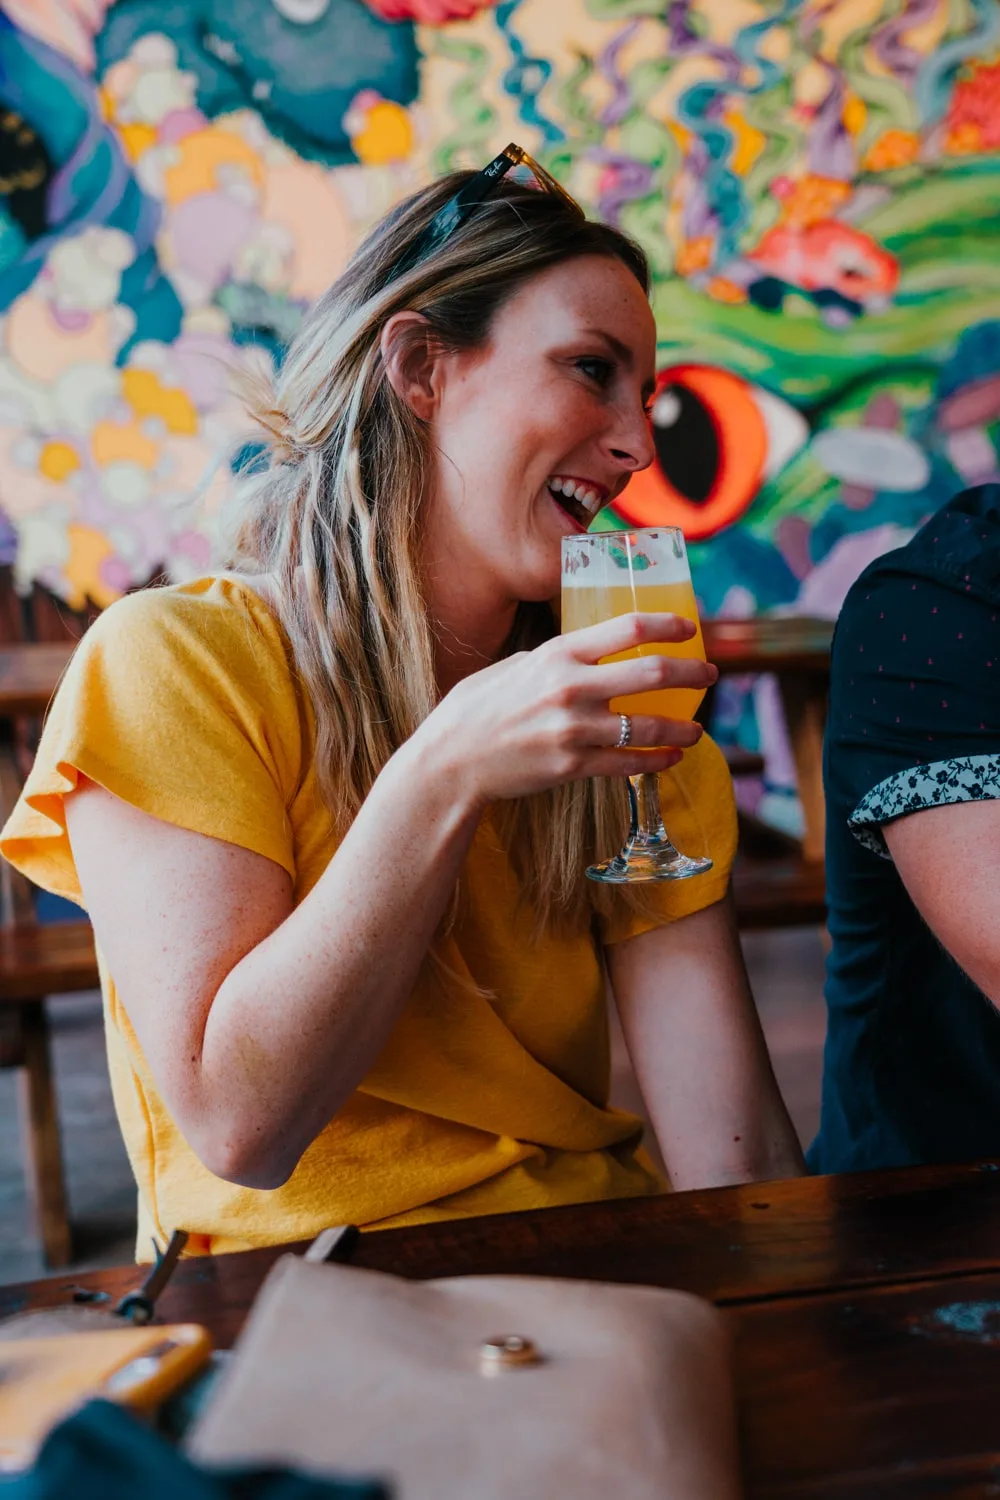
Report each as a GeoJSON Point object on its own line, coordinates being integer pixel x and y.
{"type": "Point", "coordinates": [912, 1064]}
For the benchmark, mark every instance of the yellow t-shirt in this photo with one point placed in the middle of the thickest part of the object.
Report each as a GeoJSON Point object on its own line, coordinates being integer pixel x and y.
{"type": "Point", "coordinates": [183, 701]}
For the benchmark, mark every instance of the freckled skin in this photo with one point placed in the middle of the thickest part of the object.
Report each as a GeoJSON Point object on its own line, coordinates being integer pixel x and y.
{"type": "Point", "coordinates": [546, 417]}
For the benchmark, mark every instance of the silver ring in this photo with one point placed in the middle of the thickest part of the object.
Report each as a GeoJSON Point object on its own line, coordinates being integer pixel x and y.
{"type": "Point", "coordinates": [625, 738]}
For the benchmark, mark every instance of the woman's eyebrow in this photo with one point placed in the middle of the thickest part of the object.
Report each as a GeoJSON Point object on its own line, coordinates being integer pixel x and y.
{"type": "Point", "coordinates": [624, 353]}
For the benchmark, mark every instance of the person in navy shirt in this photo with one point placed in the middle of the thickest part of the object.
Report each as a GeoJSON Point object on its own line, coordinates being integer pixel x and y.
{"type": "Point", "coordinates": [912, 774]}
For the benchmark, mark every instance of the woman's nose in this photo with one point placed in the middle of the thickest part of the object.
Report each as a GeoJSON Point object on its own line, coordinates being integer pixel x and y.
{"type": "Point", "coordinates": [632, 444]}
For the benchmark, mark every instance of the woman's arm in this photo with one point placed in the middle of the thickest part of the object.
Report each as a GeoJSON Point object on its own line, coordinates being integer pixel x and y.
{"type": "Point", "coordinates": [258, 1019]}
{"type": "Point", "coordinates": [699, 1053]}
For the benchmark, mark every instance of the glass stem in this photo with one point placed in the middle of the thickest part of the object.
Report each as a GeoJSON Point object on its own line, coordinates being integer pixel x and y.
{"type": "Point", "coordinates": [646, 828]}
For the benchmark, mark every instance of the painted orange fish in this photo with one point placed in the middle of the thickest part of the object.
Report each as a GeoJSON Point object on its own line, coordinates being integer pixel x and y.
{"type": "Point", "coordinates": [829, 256]}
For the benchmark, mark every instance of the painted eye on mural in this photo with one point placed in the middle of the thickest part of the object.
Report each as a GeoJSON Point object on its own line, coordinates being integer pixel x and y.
{"type": "Point", "coordinates": [301, 12]}
{"type": "Point", "coordinates": [717, 438]}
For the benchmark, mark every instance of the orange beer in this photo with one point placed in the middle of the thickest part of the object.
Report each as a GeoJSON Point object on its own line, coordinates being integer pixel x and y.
{"type": "Point", "coordinates": [621, 580]}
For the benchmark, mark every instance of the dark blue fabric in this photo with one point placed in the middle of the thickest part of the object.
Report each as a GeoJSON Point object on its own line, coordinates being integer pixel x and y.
{"type": "Point", "coordinates": [912, 1063]}
{"type": "Point", "coordinates": [104, 1453]}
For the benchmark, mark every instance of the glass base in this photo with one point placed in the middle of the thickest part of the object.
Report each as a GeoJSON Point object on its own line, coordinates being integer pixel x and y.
{"type": "Point", "coordinates": [648, 861]}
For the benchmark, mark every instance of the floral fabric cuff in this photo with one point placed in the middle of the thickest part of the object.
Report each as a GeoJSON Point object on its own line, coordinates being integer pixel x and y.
{"type": "Point", "coordinates": [966, 778]}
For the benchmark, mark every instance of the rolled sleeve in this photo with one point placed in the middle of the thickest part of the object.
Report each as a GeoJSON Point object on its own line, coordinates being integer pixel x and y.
{"type": "Point", "coordinates": [967, 778]}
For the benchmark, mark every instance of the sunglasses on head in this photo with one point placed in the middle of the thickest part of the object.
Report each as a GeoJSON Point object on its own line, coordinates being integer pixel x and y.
{"type": "Point", "coordinates": [455, 212]}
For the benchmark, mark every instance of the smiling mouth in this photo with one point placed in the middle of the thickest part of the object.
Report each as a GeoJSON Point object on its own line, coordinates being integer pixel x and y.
{"type": "Point", "coordinates": [578, 498]}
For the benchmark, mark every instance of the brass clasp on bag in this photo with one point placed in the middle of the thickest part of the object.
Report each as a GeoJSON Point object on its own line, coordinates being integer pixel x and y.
{"type": "Point", "coordinates": [506, 1351]}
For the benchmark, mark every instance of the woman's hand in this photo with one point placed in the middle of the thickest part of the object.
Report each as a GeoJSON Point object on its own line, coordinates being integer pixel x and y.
{"type": "Point", "coordinates": [540, 718]}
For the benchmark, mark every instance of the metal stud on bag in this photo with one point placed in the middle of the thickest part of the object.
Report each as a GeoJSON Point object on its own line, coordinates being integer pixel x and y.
{"type": "Point", "coordinates": [506, 1351]}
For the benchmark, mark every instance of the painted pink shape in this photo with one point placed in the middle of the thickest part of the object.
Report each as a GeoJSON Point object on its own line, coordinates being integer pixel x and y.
{"type": "Point", "coordinates": [193, 545]}
{"type": "Point", "coordinates": [972, 454]}
{"type": "Point", "coordinates": [825, 590]}
{"type": "Point", "coordinates": [306, 201]}
{"type": "Point", "coordinates": [71, 319]}
{"type": "Point", "coordinates": [179, 123]}
{"type": "Point", "coordinates": [793, 536]}
{"type": "Point", "coordinates": [203, 362]}
{"type": "Point", "coordinates": [428, 12]}
{"type": "Point", "coordinates": [207, 232]}
{"type": "Point", "coordinates": [43, 349]}
{"type": "Point", "coordinates": [365, 99]}
{"type": "Point", "coordinates": [67, 25]}
{"type": "Point", "coordinates": [115, 574]}
{"type": "Point", "coordinates": [772, 729]}
{"type": "Point", "coordinates": [883, 412]}
{"type": "Point", "coordinates": [856, 496]}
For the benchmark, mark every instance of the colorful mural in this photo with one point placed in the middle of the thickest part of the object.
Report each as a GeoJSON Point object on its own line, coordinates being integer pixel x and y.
{"type": "Point", "coordinates": [817, 183]}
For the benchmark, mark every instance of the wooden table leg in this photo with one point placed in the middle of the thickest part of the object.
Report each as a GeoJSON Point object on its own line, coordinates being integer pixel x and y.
{"type": "Point", "coordinates": [16, 904]}
{"type": "Point", "coordinates": [40, 1125]}
{"type": "Point", "coordinates": [803, 698]}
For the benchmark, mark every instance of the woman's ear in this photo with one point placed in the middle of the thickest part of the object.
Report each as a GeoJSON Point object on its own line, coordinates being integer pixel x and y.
{"type": "Point", "coordinates": [412, 355]}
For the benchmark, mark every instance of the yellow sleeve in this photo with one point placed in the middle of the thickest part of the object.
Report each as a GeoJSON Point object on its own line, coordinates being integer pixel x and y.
{"type": "Point", "coordinates": [183, 705]}
{"type": "Point", "coordinates": [699, 813]}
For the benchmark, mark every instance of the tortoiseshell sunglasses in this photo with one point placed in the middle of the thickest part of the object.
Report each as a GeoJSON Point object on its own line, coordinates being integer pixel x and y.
{"type": "Point", "coordinates": [455, 212]}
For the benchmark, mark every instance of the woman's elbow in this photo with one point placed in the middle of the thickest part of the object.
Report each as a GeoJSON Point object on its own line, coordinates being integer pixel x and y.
{"type": "Point", "coordinates": [249, 1161]}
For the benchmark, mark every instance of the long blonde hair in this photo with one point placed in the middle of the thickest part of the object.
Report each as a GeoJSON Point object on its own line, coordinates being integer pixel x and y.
{"type": "Point", "coordinates": [333, 516]}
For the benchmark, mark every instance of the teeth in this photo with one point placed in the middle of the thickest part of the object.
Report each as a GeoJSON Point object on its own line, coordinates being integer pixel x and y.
{"type": "Point", "coordinates": [583, 494]}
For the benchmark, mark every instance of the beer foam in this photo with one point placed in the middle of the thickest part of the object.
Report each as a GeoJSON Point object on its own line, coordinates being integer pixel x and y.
{"type": "Point", "coordinates": [624, 559]}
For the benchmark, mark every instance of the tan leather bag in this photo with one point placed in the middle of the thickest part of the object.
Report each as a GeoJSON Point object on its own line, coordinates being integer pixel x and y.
{"type": "Point", "coordinates": [481, 1387]}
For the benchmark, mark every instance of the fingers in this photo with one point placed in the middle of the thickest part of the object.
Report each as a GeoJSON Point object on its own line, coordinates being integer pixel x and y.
{"type": "Point", "coordinates": [625, 631]}
{"type": "Point", "coordinates": [648, 732]}
{"type": "Point", "coordinates": [631, 762]}
{"type": "Point", "coordinates": [646, 674]}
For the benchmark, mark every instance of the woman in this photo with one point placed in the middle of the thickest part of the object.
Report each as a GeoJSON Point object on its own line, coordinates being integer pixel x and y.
{"type": "Point", "coordinates": [330, 811]}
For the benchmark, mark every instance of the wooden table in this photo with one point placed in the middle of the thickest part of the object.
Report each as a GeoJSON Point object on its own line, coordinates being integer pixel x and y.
{"type": "Point", "coordinates": [769, 643]}
{"type": "Point", "coordinates": [865, 1311]}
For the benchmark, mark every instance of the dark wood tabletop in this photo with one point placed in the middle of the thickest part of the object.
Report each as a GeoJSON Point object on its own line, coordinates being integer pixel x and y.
{"type": "Point", "coordinates": [865, 1311]}
{"type": "Point", "coordinates": [29, 675]}
{"type": "Point", "coordinates": [768, 643]}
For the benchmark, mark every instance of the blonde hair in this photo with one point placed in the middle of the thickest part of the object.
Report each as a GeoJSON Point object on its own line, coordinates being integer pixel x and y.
{"type": "Point", "coordinates": [333, 516]}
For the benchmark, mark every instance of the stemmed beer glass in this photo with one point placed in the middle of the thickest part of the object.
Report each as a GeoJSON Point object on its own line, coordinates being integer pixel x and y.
{"type": "Point", "coordinates": [615, 573]}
